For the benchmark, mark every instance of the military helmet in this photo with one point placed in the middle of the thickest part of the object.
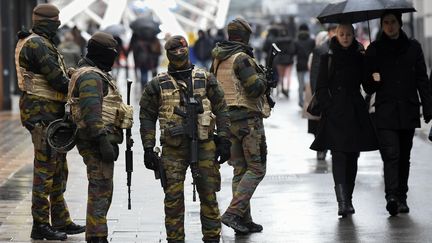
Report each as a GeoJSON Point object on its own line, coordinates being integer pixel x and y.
{"type": "Point", "coordinates": [61, 135]}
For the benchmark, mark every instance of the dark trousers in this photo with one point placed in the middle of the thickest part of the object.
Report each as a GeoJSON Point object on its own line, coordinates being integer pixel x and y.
{"type": "Point", "coordinates": [344, 167]}
{"type": "Point", "coordinates": [395, 149]}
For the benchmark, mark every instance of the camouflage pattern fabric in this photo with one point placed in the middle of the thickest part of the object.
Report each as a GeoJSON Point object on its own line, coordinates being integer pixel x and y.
{"type": "Point", "coordinates": [49, 180]}
{"type": "Point", "coordinates": [90, 89]}
{"type": "Point", "coordinates": [151, 100]}
{"type": "Point", "coordinates": [252, 80]}
{"type": "Point", "coordinates": [175, 162]}
{"type": "Point", "coordinates": [50, 168]}
{"type": "Point", "coordinates": [249, 148]}
{"type": "Point", "coordinates": [248, 158]}
{"type": "Point", "coordinates": [100, 189]}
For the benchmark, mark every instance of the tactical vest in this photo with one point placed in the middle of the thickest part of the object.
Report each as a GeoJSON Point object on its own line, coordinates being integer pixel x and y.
{"type": "Point", "coordinates": [34, 83]}
{"type": "Point", "coordinates": [234, 92]}
{"type": "Point", "coordinates": [114, 111]}
{"type": "Point", "coordinates": [170, 98]}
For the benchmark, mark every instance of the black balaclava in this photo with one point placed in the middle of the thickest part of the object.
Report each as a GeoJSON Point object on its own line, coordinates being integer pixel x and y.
{"type": "Point", "coordinates": [101, 49]}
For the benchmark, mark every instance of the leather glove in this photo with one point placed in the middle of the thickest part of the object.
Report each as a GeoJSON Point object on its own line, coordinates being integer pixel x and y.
{"type": "Point", "coordinates": [150, 158]}
{"type": "Point", "coordinates": [106, 149]}
{"type": "Point", "coordinates": [223, 150]}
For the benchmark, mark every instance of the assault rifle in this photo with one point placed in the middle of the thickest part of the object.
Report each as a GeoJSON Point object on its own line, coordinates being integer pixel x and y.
{"type": "Point", "coordinates": [274, 51]}
{"type": "Point", "coordinates": [128, 152]}
{"type": "Point", "coordinates": [159, 171]}
{"type": "Point", "coordinates": [190, 128]}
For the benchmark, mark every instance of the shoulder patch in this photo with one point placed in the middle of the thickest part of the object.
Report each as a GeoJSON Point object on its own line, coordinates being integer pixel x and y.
{"type": "Point", "coordinates": [166, 84]}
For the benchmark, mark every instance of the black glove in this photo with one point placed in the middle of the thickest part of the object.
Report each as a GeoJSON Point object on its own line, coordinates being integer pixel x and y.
{"type": "Point", "coordinates": [107, 150]}
{"type": "Point", "coordinates": [150, 158]}
{"type": "Point", "coordinates": [223, 150]}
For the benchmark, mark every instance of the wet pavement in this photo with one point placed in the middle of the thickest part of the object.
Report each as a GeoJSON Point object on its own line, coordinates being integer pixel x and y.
{"type": "Point", "coordinates": [295, 202]}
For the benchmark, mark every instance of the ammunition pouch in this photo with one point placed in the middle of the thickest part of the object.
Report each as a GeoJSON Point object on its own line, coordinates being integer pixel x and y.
{"type": "Point", "coordinates": [206, 125]}
{"type": "Point", "coordinates": [172, 136]}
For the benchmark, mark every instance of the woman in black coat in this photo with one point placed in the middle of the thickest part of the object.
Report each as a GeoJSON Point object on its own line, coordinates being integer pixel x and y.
{"type": "Point", "coordinates": [345, 128]}
{"type": "Point", "coordinates": [396, 71]}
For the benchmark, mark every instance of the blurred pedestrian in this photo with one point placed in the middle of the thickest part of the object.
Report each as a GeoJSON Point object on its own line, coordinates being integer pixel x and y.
{"type": "Point", "coordinates": [146, 51]}
{"type": "Point", "coordinates": [397, 73]}
{"type": "Point", "coordinates": [304, 47]}
{"type": "Point", "coordinates": [244, 85]}
{"type": "Point", "coordinates": [43, 80]}
{"type": "Point", "coordinates": [345, 127]}
{"type": "Point", "coordinates": [70, 50]}
{"type": "Point", "coordinates": [202, 48]}
{"type": "Point", "coordinates": [161, 96]}
{"type": "Point", "coordinates": [285, 60]}
{"type": "Point", "coordinates": [321, 48]}
{"type": "Point", "coordinates": [96, 106]}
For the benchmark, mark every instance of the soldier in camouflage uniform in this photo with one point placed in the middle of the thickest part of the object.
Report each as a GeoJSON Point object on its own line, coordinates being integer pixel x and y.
{"type": "Point", "coordinates": [244, 85]}
{"type": "Point", "coordinates": [43, 80]}
{"type": "Point", "coordinates": [98, 111]}
{"type": "Point", "coordinates": [160, 96]}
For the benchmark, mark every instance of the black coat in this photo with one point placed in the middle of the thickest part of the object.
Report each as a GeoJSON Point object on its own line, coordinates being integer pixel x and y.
{"type": "Point", "coordinates": [304, 47]}
{"type": "Point", "coordinates": [345, 124]}
{"type": "Point", "coordinates": [403, 74]}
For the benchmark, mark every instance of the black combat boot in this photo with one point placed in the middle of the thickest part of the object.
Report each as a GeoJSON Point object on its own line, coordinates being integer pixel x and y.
{"type": "Point", "coordinates": [45, 231]}
{"type": "Point", "coordinates": [392, 205]}
{"type": "Point", "coordinates": [403, 206]}
{"type": "Point", "coordinates": [71, 229]}
{"type": "Point", "coordinates": [254, 227]}
{"type": "Point", "coordinates": [351, 209]}
{"type": "Point", "coordinates": [102, 239]}
{"type": "Point", "coordinates": [341, 196]}
{"type": "Point", "coordinates": [235, 222]}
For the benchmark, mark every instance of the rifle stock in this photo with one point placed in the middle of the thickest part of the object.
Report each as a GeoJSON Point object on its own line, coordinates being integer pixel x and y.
{"type": "Point", "coordinates": [128, 152]}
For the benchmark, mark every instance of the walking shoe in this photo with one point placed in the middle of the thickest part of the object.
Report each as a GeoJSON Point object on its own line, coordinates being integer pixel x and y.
{"type": "Point", "coordinates": [102, 239]}
{"type": "Point", "coordinates": [45, 231]}
{"type": "Point", "coordinates": [254, 227]}
{"type": "Point", "coordinates": [235, 222]}
{"type": "Point", "coordinates": [71, 229]}
{"type": "Point", "coordinates": [392, 206]}
{"type": "Point", "coordinates": [403, 207]}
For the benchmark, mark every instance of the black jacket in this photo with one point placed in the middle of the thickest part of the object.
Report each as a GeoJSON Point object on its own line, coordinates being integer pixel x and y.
{"type": "Point", "coordinates": [403, 74]}
{"type": "Point", "coordinates": [345, 124]}
{"type": "Point", "coordinates": [304, 47]}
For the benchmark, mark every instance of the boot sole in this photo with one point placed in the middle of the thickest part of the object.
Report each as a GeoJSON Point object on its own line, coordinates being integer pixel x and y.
{"type": "Point", "coordinates": [47, 238]}
{"type": "Point", "coordinates": [236, 229]}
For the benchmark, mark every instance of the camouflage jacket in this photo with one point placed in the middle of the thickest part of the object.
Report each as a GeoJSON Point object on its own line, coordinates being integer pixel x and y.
{"type": "Point", "coordinates": [151, 101]}
{"type": "Point", "coordinates": [253, 82]}
{"type": "Point", "coordinates": [91, 88]}
{"type": "Point", "coordinates": [39, 58]}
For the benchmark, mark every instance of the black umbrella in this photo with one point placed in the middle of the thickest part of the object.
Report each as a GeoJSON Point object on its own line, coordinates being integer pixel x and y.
{"type": "Point", "coordinates": [353, 11]}
{"type": "Point", "coordinates": [145, 27]}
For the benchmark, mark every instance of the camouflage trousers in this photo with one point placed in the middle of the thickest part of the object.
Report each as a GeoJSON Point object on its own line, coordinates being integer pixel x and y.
{"type": "Point", "coordinates": [100, 189]}
{"type": "Point", "coordinates": [50, 173]}
{"type": "Point", "coordinates": [175, 163]}
{"type": "Point", "coordinates": [249, 159]}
